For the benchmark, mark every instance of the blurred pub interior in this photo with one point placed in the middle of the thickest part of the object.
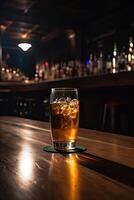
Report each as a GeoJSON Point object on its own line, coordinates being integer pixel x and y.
{"type": "Point", "coordinates": [83, 44]}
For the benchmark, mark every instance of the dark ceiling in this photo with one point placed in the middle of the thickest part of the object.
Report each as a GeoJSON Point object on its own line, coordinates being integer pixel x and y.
{"type": "Point", "coordinates": [41, 20]}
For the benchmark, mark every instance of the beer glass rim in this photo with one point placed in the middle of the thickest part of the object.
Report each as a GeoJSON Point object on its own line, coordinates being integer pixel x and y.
{"type": "Point", "coordinates": [64, 89]}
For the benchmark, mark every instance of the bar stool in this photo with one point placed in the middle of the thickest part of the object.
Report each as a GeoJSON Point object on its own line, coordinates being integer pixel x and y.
{"type": "Point", "coordinates": [109, 112]}
{"type": "Point", "coordinates": [117, 118]}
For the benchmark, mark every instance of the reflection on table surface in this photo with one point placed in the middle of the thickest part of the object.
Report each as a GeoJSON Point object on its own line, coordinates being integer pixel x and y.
{"type": "Point", "coordinates": [104, 171]}
{"type": "Point", "coordinates": [25, 166]}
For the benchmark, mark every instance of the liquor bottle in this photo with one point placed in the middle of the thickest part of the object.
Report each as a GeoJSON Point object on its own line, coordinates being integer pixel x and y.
{"type": "Point", "coordinates": [57, 69]}
{"type": "Point", "coordinates": [46, 71]}
{"type": "Point", "coordinates": [100, 63]}
{"type": "Point", "coordinates": [95, 65]}
{"type": "Point", "coordinates": [74, 68]}
{"type": "Point", "coordinates": [122, 61]}
{"type": "Point", "coordinates": [40, 71]}
{"type": "Point", "coordinates": [14, 73]}
{"type": "Point", "coordinates": [70, 72]}
{"type": "Point", "coordinates": [52, 72]}
{"type": "Point", "coordinates": [79, 68]}
{"type": "Point", "coordinates": [91, 64]}
{"type": "Point", "coordinates": [108, 65]}
{"type": "Point", "coordinates": [62, 72]}
{"type": "Point", "coordinates": [10, 74]}
{"type": "Point", "coordinates": [67, 72]}
{"type": "Point", "coordinates": [114, 60]}
{"type": "Point", "coordinates": [130, 63]}
{"type": "Point", "coordinates": [37, 68]}
{"type": "Point", "coordinates": [36, 77]}
{"type": "Point", "coordinates": [84, 70]}
{"type": "Point", "coordinates": [88, 67]}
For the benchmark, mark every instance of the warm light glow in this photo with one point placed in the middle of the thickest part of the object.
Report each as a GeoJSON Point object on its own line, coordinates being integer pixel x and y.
{"type": "Point", "coordinates": [3, 69]}
{"type": "Point", "coordinates": [26, 81]}
{"type": "Point", "coordinates": [131, 44]}
{"type": "Point", "coordinates": [14, 71]}
{"type": "Point", "coordinates": [24, 36]}
{"type": "Point", "coordinates": [25, 46]}
{"type": "Point", "coordinates": [114, 63]}
{"type": "Point", "coordinates": [2, 27]}
{"type": "Point", "coordinates": [133, 57]}
{"type": "Point", "coordinates": [115, 50]}
{"type": "Point", "coordinates": [72, 35]}
{"type": "Point", "coordinates": [129, 57]}
{"type": "Point", "coordinates": [114, 53]}
{"type": "Point", "coordinates": [71, 171]}
{"type": "Point", "coordinates": [7, 70]}
{"type": "Point", "coordinates": [129, 68]}
{"type": "Point", "coordinates": [26, 165]}
{"type": "Point", "coordinates": [17, 75]}
{"type": "Point", "coordinates": [74, 176]}
{"type": "Point", "coordinates": [114, 71]}
{"type": "Point", "coordinates": [26, 132]}
{"type": "Point", "coordinates": [130, 49]}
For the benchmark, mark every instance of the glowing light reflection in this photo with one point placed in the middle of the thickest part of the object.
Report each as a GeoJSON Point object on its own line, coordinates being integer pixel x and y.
{"type": "Point", "coordinates": [114, 71]}
{"type": "Point", "coordinates": [26, 165]}
{"type": "Point", "coordinates": [71, 172]}
{"type": "Point", "coordinates": [115, 53]}
{"type": "Point", "coordinates": [114, 63]}
{"type": "Point", "coordinates": [131, 44]}
{"type": "Point", "coordinates": [27, 132]}
{"type": "Point", "coordinates": [74, 175]}
{"type": "Point", "coordinates": [129, 57]}
{"type": "Point", "coordinates": [129, 68]}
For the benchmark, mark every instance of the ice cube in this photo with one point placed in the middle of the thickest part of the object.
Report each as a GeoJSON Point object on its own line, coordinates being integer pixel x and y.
{"type": "Point", "coordinates": [74, 103]}
{"type": "Point", "coordinates": [62, 100]}
{"type": "Point", "coordinates": [56, 100]}
{"type": "Point", "coordinates": [65, 109]}
{"type": "Point", "coordinates": [68, 99]}
{"type": "Point", "coordinates": [73, 113]}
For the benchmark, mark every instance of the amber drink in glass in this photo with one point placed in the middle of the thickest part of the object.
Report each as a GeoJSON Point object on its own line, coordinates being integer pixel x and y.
{"type": "Point", "coordinates": [64, 107]}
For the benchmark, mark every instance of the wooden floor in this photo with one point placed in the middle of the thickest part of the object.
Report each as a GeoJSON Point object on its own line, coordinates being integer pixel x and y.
{"type": "Point", "coordinates": [104, 171]}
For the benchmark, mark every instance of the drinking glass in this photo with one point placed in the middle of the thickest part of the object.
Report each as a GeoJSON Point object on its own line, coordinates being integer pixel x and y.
{"type": "Point", "coordinates": [64, 108]}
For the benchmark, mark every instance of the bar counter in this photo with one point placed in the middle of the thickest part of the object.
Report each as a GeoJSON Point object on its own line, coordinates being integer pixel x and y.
{"type": "Point", "coordinates": [96, 93]}
{"type": "Point", "coordinates": [91, 82]}
{"type": "Point", "coordinates": [104, 171]}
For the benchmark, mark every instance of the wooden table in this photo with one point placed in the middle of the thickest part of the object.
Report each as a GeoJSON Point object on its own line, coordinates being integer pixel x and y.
{"type": "Point", "coordinates": [105, 171]}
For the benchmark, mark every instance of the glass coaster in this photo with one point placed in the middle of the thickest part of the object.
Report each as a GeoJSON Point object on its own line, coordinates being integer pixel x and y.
{"type": "Point", "coordinates": [78, 149]}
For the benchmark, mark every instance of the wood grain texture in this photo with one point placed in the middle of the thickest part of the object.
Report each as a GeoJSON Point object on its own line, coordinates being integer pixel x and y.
{"type": "Point", "coordinates": [104, 171]}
